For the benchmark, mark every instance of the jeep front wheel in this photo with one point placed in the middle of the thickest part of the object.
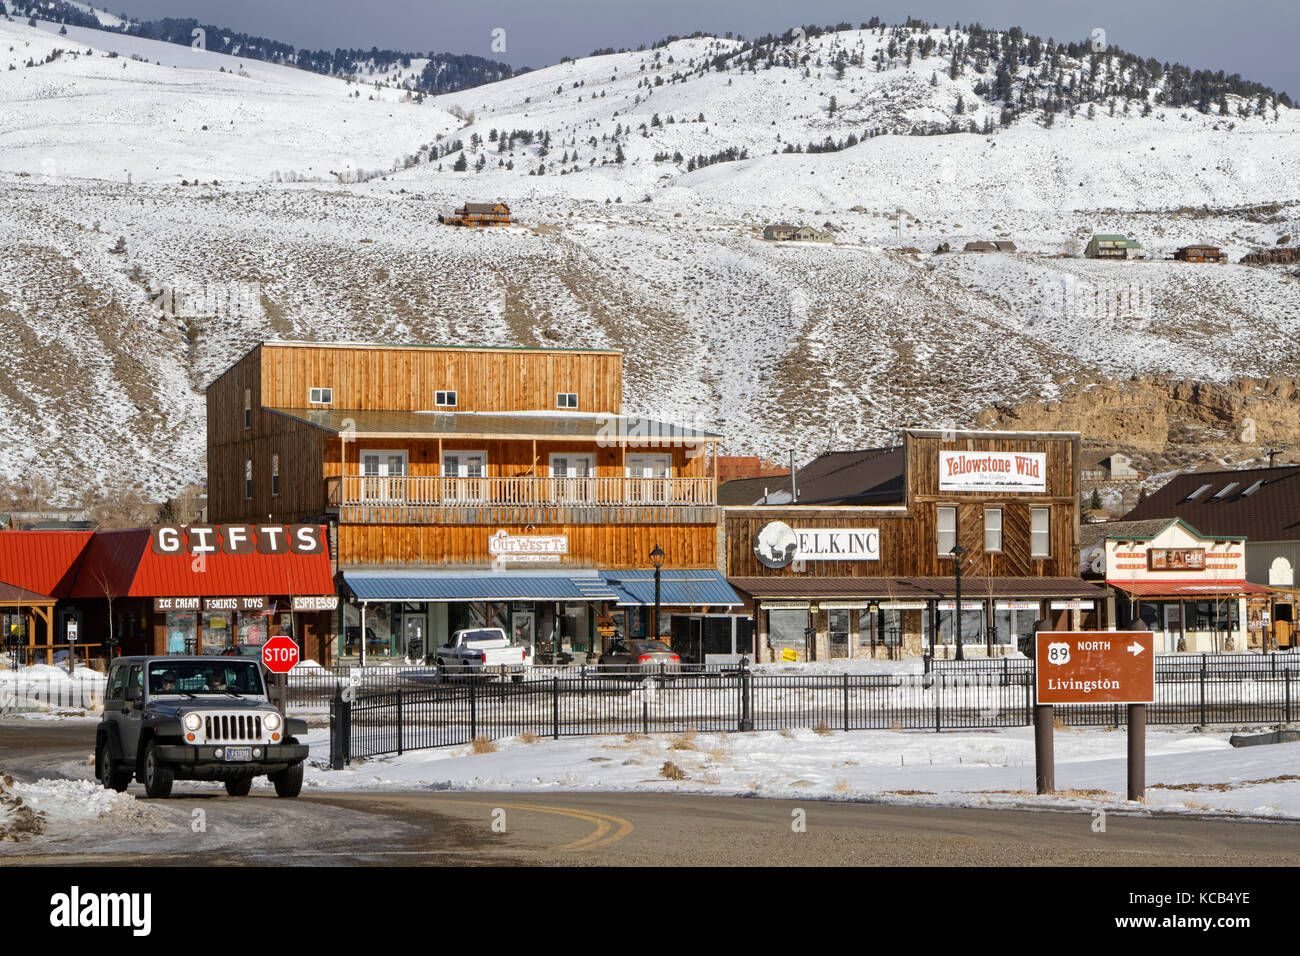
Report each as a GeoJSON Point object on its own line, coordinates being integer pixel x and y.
{"type": "Point", "coordinates": [158, 776]}
{"type": "Point", "coordinates": [239, 787]}
{"type": "Point", "coordinates": [110, 775]}
{"type": "Point", "coordinates": [288, 782]}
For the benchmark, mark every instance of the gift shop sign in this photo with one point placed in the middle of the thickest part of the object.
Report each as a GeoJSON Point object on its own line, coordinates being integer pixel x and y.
{"type": "Point", "coordinates": [1003, 471]}
{"type": "Point", "coordinates": [522, 546]}
{"type": "Point", "coordinates": [201, 539]}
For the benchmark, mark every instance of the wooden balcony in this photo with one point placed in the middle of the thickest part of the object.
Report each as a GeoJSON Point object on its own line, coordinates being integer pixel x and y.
{"type": "Point", "coordinates": [365, 499]}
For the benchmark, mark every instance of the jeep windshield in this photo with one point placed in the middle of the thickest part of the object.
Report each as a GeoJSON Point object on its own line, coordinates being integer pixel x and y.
{"type": "Point", "coordinates": [222, 676]}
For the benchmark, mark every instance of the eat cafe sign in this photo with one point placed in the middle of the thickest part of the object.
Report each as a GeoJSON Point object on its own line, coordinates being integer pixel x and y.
{"type": "Point", "coordinates": [199, 539]}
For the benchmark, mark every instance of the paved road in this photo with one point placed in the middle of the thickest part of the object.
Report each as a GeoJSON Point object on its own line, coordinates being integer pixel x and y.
{"type": "Point", "coordinates": [441, 828]}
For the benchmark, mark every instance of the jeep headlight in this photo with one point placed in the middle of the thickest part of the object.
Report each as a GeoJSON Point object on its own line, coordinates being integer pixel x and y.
{"type": "Point", "coordinates": [271, 722]}
{"type": "Point", "coordinates": [193, 722]}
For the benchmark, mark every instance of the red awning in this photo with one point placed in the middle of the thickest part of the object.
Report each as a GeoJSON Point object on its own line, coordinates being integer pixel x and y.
{"type": "Point", "coordinates": [1188, 589]}
{"type": "Point", "coordinates": [124, 563]}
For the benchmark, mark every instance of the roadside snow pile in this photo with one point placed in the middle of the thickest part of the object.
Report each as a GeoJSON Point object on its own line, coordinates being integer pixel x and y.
{"type": "Point", "coordinates": [32, 809]}
{"type": "Point", "coordinates": [42, 688]}
{"type": "Point", "coordinates": [1186, 772]}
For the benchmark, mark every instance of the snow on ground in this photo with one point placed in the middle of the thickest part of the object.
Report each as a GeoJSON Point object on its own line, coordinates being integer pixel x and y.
{"type": "Point", "coordinates": [28, 809]}
{"type": "Point", "coordinates": [1186, 772]}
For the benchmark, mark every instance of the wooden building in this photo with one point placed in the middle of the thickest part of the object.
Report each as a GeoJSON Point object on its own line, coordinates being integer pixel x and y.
{"type": "Point", "coordinates": [1200, 254]}
{"type": "Point", "coordinates": [479, 214]}
{"type": "Point", "coordinates": [980, 247]}
{"type": "Point", "coordinates": [862, 562]}
{"type": "Point", "coordinates": [779, 231]}
{"type": "Point", "coordinates": [1112, 246]}
{"type": "Point", "coordinates": [465, 486]}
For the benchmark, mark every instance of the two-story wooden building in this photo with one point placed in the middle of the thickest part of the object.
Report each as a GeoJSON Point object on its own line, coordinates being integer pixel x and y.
{"type": "Point", "coordinates": [467, 486]}
{"type": "Point", "coordinates": [864, 560]}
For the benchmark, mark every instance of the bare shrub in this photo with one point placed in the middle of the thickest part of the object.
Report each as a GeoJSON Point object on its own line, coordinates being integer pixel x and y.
{"type": "Point", "coordinates": [483, 745]}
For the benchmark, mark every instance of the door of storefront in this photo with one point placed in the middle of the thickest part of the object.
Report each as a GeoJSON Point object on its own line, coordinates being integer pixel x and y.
{"type": "Point", "coordinates": [415, 632]}
{"type": "Point", "coordinates": [1172, 617]}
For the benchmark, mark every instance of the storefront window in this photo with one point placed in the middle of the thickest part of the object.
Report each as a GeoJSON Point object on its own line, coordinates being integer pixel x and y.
{"type": "Point", "coordinates": [889, 627]}
{"type": "Point", "coordinates": [785, 629]}
{"type": "Point", "coordinates": [574, 627]}
{"type": "Point", "coordinates": [254, 627]}
{"type": "Point", "coordinates": [972, 626]}
{"type": "Point", "coordinates": [217, 631]}
{"type": "Point", "coordinates": [378, 629]}
{"type": "Point", "coordinates": [1013, 624]}
{"type": "Point", "coordinates": [182, 632]}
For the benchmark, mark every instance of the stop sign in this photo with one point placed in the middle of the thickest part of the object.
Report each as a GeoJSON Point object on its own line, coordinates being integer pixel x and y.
{"type": "Point", "coordinates": [279, 654]}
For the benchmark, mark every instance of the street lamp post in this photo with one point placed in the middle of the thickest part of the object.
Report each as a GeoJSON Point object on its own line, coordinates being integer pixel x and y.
{"type": "Point", "coordinates": [656, 559]}
{"type": "Point", "coordinates": [958, 552]}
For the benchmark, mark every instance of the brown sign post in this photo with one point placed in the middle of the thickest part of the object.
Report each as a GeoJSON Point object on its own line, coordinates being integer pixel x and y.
{"type": "Point", "coordinates": [1094, 667]}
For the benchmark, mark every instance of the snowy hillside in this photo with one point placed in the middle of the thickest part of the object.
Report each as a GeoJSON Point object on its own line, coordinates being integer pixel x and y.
{"type": "Point", "coordinates": [776, 345]}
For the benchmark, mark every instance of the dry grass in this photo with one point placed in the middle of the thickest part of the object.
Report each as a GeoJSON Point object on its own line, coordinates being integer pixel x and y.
{"type": "Point", "coordinates": [634, 737]}
{"type": "Point", "coordinates": [896, 727]}
{"type": "Point", "coordinates": [711, 778]}
{"type": "Point", "coordinates": [483, 745]}
{"type": "Point", "coordinates": [787, 733]}
{"type": "Point", "coordinates": [1059, 724]}
{"type": "Point", "coordinates": [528, 737]}
{"type": "Point", "coordinates": [683, 741]}
{"type": "Point", "coordinates": [822, 729]}
{"type": "Point", "coordinates": [842, 786]}
{"type": "Point", "coordinates": [671, 771]}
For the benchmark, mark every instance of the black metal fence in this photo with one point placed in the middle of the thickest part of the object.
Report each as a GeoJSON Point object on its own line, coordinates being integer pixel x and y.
{"type": "Point", "coordinates": [457, 709]}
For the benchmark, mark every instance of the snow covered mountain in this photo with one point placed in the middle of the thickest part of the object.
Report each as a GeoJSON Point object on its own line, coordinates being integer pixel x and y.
{"type": "Point", "coordinates": [162, 209]}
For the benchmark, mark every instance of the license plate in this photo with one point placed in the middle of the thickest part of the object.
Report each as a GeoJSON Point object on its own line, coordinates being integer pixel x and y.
{"type": "Point", "coordinates": [239, 753]}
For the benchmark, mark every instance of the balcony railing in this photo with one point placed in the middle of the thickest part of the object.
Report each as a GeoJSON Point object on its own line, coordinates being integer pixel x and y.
{"type": "Point", "coordinates": [406, 500]}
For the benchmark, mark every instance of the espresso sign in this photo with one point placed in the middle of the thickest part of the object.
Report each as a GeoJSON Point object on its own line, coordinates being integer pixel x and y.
{"type": "Point", "coordinates": [323, 602]}
{"type": "Point", "coordinates": [1002, 471]}
{"type": "Point", "coordinates": [199, 539]}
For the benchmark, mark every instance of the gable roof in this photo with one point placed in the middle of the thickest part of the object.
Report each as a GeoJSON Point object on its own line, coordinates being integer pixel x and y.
{"type": "Point", "coordinates": [41, 562]}
{"type": "Point", "coordinates": [1264, 505]}
{"type": "Point", "coordinates": [858, 477]}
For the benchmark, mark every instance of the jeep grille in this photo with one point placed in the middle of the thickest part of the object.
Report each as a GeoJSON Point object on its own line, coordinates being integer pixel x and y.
{"type": "Point", "coordinates": [232, 728]}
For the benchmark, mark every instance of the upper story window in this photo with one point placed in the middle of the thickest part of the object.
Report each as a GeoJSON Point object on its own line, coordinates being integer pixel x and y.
{"type": "Point", "coordinates": [248, 479]}
{"type": "Point", "coordinates": [992, 529]}
{"type": "Point", "coordinates": [444, 399]}
{"type": "Point", "coordinates": [1040, 538]}
{"type": "Point", "coordinates": [566, 399]}
{"type": "Point", "coordinates": [248, 408]}
{"type": "Point", "coordinates": [946, 524]}
{"type": "Point", "coordinates": [321, 396]}
{"type": "Point", "coordinates": [275, 476]}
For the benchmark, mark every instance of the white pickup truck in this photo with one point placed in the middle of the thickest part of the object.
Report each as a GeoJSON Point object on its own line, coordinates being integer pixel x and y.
{"type": "Point", "coordinates": [484, 650]}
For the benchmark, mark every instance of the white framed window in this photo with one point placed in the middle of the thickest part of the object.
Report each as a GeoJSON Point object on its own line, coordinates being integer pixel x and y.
{"type": "Point", "coordinates": [320, 396]}
{"type": "Point", "coordinates": [444, 399]}
{"type": "Point", "coordinates": [275, 476]}
{"type": "Point", "coordinates": [248, 408]}
{"type": "Point", "coordinates": [654, 474]}
{"type": "Point", "coordinates": [248, 479]}
{"type": "Point", "coordinates": [946, 527]}
{"type": "Point", "coordinates": [470, 468]}
{"type": "Point", "coordinates": [566, 399]}
{"type": "Point", "coordinates": [992, 529]}
{"type": "Point", "coordinates": [1040, 537]}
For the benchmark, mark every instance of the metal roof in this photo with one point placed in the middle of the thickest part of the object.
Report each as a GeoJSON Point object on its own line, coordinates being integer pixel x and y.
{"type": "Point", "coordinates": [41, 562]}
{"type": "Point", "coordinates": [479, 586]}
{"type": "Point", "coordinates": [616, 429]}
{"type": "Point", "coordinates": [1199, 587]}
{"type": "Point", "coordinates": [677, 588]}
{"type": "Point", "coordinates": [1271, 512]}
{"type": "Point", "coordinates": [124, 563]}
{"type": "Point", "coordinates": [926, 588]}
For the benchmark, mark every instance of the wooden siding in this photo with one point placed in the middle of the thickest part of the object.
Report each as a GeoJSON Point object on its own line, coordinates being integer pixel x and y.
{"type": "Point", "coordinates": [1062, 459]}
{"type": "Point", "coordinates": [404, 379]}
{"type": "Point", "coordinates": [592, 546]}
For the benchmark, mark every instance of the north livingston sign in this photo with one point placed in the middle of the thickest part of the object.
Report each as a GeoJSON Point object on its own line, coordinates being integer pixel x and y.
{"type": "Point", "coordinates": [1095, 667]}
{"type": "Point", "coordinates": [1000, 471]}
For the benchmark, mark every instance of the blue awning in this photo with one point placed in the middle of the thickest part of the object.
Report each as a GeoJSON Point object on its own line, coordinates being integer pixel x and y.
{"type": "Point", "coordinates": [678, 588]}
{"type": "Point", "coordinates": [479, 586]}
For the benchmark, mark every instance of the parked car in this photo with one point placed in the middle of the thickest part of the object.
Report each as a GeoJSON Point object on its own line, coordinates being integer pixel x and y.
{"type": "Point", "coordinates": [195, 718]}
{"type": "Point", "coordinates": [639, 656]}
{"type": "Point", "coordinates": [482, 650]}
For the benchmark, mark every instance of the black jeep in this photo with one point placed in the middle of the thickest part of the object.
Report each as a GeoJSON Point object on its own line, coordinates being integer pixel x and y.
{"type": "Point", "coordinates": [195, 718]}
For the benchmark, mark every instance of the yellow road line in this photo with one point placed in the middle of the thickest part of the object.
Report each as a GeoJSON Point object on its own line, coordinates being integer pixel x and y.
{"type": "Point", "coordinates": [597, 838]}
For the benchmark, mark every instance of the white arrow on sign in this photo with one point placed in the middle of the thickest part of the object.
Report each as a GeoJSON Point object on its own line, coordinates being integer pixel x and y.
{"type": "Point", "coordinates": [1135, 648]}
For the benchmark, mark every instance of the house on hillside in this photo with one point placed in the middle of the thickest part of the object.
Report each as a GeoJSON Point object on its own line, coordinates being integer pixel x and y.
{"type": "Point", "coordinates": [780, 231]}
{"type": "Point", "coordinates": [1005, 245]}
{"type": "Point", "coordinates": [1107, 466]}
{"type": "Point", "coordinates": [1200, 254]}
{"type": "Point", "coordinates": [479, 214]}
{"type": "Point", "coordinates": [809, 234]}
{"type": "Point", "coordinates": [1112, 246]}
{"type": "Point", "coordinates": [980, 247]}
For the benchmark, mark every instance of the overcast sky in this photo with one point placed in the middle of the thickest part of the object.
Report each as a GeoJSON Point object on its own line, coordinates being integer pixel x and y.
{"type": "Point", "coordinates": [1259, 39]}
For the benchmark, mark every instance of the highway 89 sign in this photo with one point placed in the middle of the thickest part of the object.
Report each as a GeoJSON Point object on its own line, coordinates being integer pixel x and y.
{"type": "Point", "coordinates": [1095, 667]}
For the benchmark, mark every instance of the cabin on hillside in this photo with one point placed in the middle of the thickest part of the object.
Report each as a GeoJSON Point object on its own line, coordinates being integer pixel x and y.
{"type": "Point", "coordinates": [479, 214]}
{"type": "Point", "coordinates": [780, 231]}
{"type": "Point", "coordinates": [1005, 245]}
{"type": "Point", "coordinates": [1107, 466]}
{"type": "Point", "coordinates": [1112, 246]}
{"type": "Point", "coordinates": [1200, 254]}
{"type": "Point", "coordinates": [809, 234]}
{"type": "Point", "coordinates": [980, 247]}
